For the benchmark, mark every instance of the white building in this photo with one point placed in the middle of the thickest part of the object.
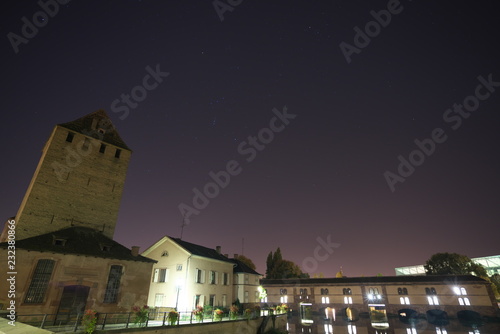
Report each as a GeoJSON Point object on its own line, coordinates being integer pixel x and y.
{"type": "Point", "coordinates": [187, 275]}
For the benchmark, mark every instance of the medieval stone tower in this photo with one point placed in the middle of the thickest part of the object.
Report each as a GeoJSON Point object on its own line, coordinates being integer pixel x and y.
{"type": "Point", "coordinates": [79, 179]}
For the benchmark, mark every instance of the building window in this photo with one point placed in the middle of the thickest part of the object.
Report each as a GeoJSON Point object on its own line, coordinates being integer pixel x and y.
{"type": "Point", "coordinates": [402, 291]}
{"type": "Point", "coordinates": [117, 153]}
{"type": "Point", "coordinates": [226, 279]}
{"type": "Point", "coordinates": [347, 291]}
{"type": "Point", "coordinates": [159, 300]}
{"type": "Point", "coordinates": [213, 277]}
{"type": "Point", "coordinates": [325, 300]}
{"type": "Point", "coordinates": [283, 292]}
{"type": "Point", "coordinates": [284, 299]}
{"type": "Point", "coordinates": [404, 300]}
{"type": "Point", "coordinates": [246, 278]}
{"type": "Point", "coordinates": [200, 276]}
{"type": "Point", "coordinates": [224, 300]}
{"type": "Point", "coordinates": [39, 282]}
{"type": "Point", "coordinates": [460, 291]}
{"type": "Point", "coordinates": [211, 300]}
{"type": "Point", "coordinates": [347, 300]}
{"type": "Point", "coordinates": [102, 149]}
{"type": "Point", "coordinates": [303, 291]}
{"type": "Point", "coordinates": [164, 253]}
{"type": "Point", "coordinates": [160, 275]}
{"type": "Point", "coordinates": [69, 137]}
{"type": "Point", "coordinates": [464, 301]}
{"type": "Point", "coordinates": [246, 297]}
{"type": "Point", "coordinates": [430, 291]}
{"type": "Point", "coordinates": [324, 291]}
{"type": "Point", "coordinates": [179, 267]}
{"type": "Point", "coordinates": [374, 294]}
{"type": "Point", "coordinates": [113, 286]}
{"type": "Point", "coordinates": [432, 300]}
{"type": "Point", "coordinates": [197, 299]}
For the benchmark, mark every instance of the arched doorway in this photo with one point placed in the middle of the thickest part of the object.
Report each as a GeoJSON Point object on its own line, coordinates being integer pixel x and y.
{"type": "Point", "coordinates": [73, 301]}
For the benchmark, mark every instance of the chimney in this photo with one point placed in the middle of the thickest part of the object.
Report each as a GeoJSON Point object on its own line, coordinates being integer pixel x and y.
{"type": "Point", "coordinates": [218, 249]}
{"type": "Point", "coordinates": [235, 256]}
{"type": "Point", "coordinates": [135, 250]}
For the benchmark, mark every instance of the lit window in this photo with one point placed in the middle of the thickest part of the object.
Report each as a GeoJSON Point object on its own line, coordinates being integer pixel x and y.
{"type": "Point", "coordinates": [461, 301]}
{"type": "Point", "coordinates": [435, 300]}
{"type": "Point", "coordinates": [463, 291]}
{"type": "Point", "coordinates": [347, 300]}
{"type": "Point", "coordinates": [466, 301]}
{"type": "Point", "coordinates": [325, 300]}
{"type": "Point", "coordinates": [284, 299]}
{"type": "Point", "coordinates": [404, 300]}
{"type": "Point", "coordinates": [429, 299]}
{"type": "Point", "coordinates": [412, 330]}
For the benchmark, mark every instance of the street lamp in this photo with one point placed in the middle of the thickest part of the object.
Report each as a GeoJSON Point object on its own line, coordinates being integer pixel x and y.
{"type": "Point", "coordinates": [178, 286]}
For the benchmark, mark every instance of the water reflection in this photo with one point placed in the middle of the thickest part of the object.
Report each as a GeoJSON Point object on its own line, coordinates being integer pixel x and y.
{"type": "Point", "coordinates": [376, 322]}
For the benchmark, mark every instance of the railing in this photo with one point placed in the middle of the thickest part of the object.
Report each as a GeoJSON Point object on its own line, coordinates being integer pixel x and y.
{"type": "Point", "coordinates": [73, 323]}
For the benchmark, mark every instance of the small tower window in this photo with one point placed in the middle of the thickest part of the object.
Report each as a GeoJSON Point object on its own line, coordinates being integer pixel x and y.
{"type": "Point", "coordinates": [117, 153]}
{"type": "Point", "coordinates": [70, 137]}
{"type": "Point", "coordinates": [102, 149]}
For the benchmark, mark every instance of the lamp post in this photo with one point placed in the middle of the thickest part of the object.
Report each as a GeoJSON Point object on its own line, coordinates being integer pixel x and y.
{"type": "Point", "coordinates": [178, 286]}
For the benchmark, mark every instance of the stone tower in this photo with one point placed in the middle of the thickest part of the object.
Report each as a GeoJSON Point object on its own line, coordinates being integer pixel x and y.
{"type": "Point", "coordinates": [78, 181]}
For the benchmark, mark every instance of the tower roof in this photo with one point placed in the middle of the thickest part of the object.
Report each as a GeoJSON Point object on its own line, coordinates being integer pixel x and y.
{"type": "Point", "coordinates": [97, 125]}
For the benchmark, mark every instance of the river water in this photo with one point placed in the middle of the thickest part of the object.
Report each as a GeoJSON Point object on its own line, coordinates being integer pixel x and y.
{"type": "Point", "coordinates": [319, 325]}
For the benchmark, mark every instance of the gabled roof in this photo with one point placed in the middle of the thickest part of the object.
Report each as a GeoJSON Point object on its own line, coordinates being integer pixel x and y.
{"type": "Point", "coordinates": [377, 279]}
{"type": "Point", "coordinates": [200, 250]}
{"type": "Point", "coordinates": [243, 268]}
{"type": "Point", "coordinates": [83, 125]}
{"type": "Point", "coordinates": [78, 240]}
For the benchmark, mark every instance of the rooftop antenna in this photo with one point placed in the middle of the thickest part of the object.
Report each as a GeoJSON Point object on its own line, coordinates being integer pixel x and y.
{"type": "Point", "coordinates": [242, 246]}
{"type": "Point", "coordinates": [183, 224]}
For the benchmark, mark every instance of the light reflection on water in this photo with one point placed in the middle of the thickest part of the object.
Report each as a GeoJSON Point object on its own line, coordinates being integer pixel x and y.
{"type": "Point", "coordinates": [318, 325]}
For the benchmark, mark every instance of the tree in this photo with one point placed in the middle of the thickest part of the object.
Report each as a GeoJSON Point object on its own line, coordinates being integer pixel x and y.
{"type": "Point", "coordinates": [453, 264]}
{"type": "Point", "coordinates": [278, 268]}
{"type": "Point", "coordinates": [246, 261]}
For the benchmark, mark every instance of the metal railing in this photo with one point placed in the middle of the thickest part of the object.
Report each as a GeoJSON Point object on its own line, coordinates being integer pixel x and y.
{"type": "Point", "coordinates": [73, 323]}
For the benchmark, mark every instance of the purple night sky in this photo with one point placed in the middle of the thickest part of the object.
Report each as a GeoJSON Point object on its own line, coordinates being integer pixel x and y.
{"type": "Point", "coordinates": [319, 176]}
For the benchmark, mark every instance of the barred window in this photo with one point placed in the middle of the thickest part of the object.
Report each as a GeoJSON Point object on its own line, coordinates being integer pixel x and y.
{"type": "Point", "coordinates": [39, 282]}
{"type": "Point", "coordinates": [113, 286]}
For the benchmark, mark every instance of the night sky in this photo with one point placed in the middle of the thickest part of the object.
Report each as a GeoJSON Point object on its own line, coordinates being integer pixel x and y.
{"type": "Point", "coordinates": [323, 172]}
